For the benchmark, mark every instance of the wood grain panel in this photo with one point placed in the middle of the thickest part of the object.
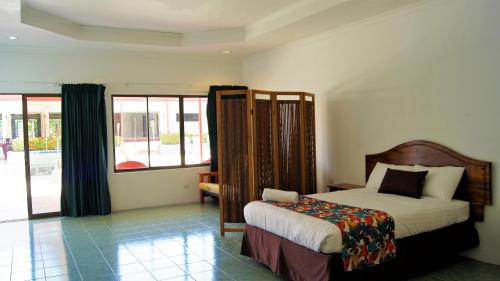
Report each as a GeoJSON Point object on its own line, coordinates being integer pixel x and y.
{"type": "Point", "coordinates": [310, 148]}
{"type": "Point", "coordinates": [290, 174]}
{"type": "Point", "coordinates": [263, 142]}
{"type": "Point", "coordinates": [234, 162]}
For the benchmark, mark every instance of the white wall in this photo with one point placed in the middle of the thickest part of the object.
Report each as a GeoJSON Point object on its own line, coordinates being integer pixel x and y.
{"type": "Point", "coordinates": [428, 72]}
{"type": "Point", "coordinates": [34, 71]}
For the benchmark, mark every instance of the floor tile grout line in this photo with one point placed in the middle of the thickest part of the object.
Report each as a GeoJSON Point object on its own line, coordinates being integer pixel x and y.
{"type": "Point", "coordinates": [177, 219]}
{"type": "Point", "coordinates": [71, 253]}
{"type": "Point", "coordinates": [12, 262]}
{"type": "Point", "coordinates": [43, 259]}
{"type": "Point", "coordinates": [117, 236]}
{"type": "Point", "coordinates": [178, 266]}
{"type": "Point", "coordinates": [206, 260]}
{"type": "Point", "coordinates": [140, 232]}
{"type": "Point", "coordinates": [108, 227]}
{"type": "Point", "coordinates": [167, 257]}
{"type": "Point", "coordinates": [99, 249]}
{"type": "Point", "coordinates": [147, 268]}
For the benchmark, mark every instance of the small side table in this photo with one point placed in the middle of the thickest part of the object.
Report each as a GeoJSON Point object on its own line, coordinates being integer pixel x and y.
{"type": "Point", "coordinates": [343, 186]}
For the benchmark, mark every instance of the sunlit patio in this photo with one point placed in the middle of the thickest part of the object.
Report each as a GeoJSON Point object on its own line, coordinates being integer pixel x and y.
{"type": "Point", "coordinates": [43, 130]}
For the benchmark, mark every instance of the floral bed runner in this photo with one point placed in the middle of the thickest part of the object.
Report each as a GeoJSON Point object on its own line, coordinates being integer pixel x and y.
{"type": "Point", "coordinates": [368, 235]}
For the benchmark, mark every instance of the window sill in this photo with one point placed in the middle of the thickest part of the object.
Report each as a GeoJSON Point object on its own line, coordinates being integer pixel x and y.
{"type": "Point", "coordinates": [161, 168]}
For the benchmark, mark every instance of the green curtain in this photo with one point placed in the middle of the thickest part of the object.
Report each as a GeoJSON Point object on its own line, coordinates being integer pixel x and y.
{"type": "Point", "coordinates": [212, 121]}
{"type": "Point", "coordinates": [85, 188]}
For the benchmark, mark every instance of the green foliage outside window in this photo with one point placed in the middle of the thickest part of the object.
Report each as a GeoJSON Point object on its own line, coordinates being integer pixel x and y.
{"type": "Point", "coordinates": [118, 140]}
{"type": "Point", "coordinates": [175, 138]}
{"type": "Point", "coordinates": [172, 138]}
{"type": "Point", "coordinates": [36, 144]}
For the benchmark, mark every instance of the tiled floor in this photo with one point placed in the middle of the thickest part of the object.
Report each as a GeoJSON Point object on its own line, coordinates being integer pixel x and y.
{"type": "Point", "coordinates": [173, 243]}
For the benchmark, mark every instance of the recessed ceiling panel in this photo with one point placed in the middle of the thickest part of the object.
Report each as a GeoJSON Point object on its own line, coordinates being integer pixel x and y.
{"type": "Point", "coordinates": [161, 15]}
{"type": "Point", "coordinates": [181, 26]}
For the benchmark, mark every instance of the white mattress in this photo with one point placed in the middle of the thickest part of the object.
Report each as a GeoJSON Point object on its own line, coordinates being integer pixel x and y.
{"type": "Point", "coordinates": [411, 217]}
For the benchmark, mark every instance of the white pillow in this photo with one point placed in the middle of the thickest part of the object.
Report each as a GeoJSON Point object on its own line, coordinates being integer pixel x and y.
{"type": "Point", "coordinates": [441, 182]}
{"type": "Point", "coordinates": [378, 173]}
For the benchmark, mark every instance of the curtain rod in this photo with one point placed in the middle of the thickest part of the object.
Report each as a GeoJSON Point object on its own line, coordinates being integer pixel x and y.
{"type": "Point", "coordinates": [106, 83]}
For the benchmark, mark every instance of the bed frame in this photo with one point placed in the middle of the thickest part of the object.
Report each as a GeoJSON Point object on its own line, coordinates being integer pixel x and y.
{"type": "Point", "coordinates": [415, 255]}
{"type": "Point", "coordinates": [475, 186]}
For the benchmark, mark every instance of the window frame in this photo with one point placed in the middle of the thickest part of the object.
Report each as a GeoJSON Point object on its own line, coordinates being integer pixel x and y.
{"type": "Point", "coordinates": [181, 132]}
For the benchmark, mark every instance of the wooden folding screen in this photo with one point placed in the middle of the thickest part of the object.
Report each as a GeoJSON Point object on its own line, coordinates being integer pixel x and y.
{"type": "Point", "coordinates": [309, 144]}
{"type": "Point", "coordinates": [262, 118]}
{"type": "Point", "coordinates": [265, 140]}
{"type": "Point", "coordinates": [234, 151]}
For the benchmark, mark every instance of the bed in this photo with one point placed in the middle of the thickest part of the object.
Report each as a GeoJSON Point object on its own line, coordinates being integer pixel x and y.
{"type": "Point", "coordinates": [428, 232]}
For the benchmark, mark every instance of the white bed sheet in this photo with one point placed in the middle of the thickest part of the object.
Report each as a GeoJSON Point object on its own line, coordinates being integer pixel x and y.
{"type": "Point", "coordinates": [411, 217]}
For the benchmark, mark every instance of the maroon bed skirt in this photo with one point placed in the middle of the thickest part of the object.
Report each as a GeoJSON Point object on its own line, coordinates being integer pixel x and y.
{"type": "Point", "coordinates": [415, 255]}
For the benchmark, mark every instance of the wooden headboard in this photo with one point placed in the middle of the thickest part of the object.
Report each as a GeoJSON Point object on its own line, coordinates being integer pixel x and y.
{"type": "Point", "coordinates": [475, 186]}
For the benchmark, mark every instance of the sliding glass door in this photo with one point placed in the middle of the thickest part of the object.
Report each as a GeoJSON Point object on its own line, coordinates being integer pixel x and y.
{"type": "Point", "coordinates": [44, 146]}
{"type": "Point", "coordinates": [30, 156]}
{"type": "Point", "coordinates": [13, 203]}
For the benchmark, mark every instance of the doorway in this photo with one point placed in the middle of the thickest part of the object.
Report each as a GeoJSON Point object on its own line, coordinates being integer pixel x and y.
{"type": "Point", "coordinates": [30, 158]}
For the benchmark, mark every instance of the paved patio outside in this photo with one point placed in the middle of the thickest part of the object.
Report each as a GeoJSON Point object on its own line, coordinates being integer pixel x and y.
{"type": "Point", "coordinates": [45, 192]}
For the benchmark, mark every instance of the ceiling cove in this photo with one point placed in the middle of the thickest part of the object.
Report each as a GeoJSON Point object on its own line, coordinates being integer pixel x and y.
{"type": "Point", "coordinates": [191, 24]}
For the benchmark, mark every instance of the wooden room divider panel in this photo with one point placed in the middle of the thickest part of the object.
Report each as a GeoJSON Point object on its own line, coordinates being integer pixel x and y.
{"type": "Point", "coordinates": [265, 140]}
{"type": "Point", "coordinates": [263, 143]}
{"type": "Point", "coordinates": [233, 156]}
{"type": "Point", "coordinates": [289, 143]}
{"type": "Point", "coordinates": [310, 144]}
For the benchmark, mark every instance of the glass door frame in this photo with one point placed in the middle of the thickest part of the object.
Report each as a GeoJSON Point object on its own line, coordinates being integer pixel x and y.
{"type": "Point", "coordinates": [27, 157]}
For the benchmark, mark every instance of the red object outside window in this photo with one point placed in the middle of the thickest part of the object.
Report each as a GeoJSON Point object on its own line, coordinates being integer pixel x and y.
{"type": "Point", "coordinates": [130, 165]}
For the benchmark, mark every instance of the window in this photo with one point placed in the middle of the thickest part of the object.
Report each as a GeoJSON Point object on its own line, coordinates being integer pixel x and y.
{"type": "Point", "coordinates": [34, 130]}
{"type": "Point", "coordinates": [164, 132]}
{"type": "Point", "coordinates": [55, 124]}
{"type": "Point", "coordinates": [196, 131]}
{"type": "Point", "coordinates": [154, 132]}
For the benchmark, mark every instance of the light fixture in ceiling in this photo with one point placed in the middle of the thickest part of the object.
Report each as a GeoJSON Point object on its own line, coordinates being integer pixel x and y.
{"type": "Point", "coordinates": [226, 52]}
{"type": "Point", "coordinates": [12, 37]}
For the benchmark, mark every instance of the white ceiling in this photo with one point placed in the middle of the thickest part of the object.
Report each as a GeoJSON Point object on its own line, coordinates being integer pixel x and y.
{"type": "Point", "coordinates": [177, 16]}
{"type": "Point", "coordinates": [179, 26]}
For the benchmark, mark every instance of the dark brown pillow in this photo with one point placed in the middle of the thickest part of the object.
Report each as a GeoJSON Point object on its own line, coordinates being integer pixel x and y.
{"type": "Point", "coordinates": [403, 183]}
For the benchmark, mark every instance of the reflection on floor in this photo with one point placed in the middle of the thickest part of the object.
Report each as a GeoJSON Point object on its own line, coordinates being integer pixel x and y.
{"type": "Point", "coordinates": [169, 243]}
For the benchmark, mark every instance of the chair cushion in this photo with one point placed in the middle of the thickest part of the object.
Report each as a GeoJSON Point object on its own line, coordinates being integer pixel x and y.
{"type": "Point", "coordinates": [209, 187]}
